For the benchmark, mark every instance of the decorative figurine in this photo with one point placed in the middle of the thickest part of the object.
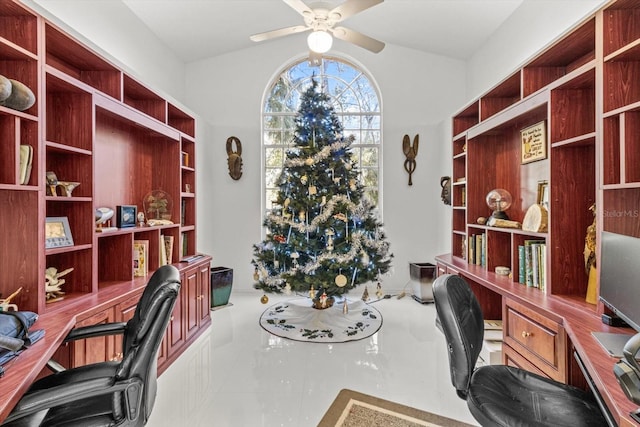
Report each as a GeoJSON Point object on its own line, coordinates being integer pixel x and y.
{"type": "Point", "coordinates": [5, 303]}
{"type": "Point", "coordinates": [410, 152]}
{"type": "Point", "coordinates": [53, 283]}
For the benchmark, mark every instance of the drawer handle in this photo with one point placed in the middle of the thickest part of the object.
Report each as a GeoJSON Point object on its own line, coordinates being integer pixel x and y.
{"type": "Point", "coordinates": [526, 334]}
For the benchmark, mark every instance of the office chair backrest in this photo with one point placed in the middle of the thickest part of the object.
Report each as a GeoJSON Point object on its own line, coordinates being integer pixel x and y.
{"type": "Point", "coordinates": [144, 333]}
{"type": "Point", "coordinates": [463, 325]}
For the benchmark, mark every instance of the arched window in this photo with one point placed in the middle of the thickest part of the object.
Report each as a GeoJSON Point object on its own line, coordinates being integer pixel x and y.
{"type": "Point", "coordinates": [356, 103]}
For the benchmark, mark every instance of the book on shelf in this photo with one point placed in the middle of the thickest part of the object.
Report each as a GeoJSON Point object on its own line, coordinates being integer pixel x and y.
{"type": "Point", "coordinates": [162, 252]}
{"type": "Point", "coordinates": [477, 249]}
{"type": "Point", "coordinates": [26, 160]}
{"type": "Point", "coordinates": [168, 245]}
{"type": "Point", "coordinates": [532, 263]}
{"type": "Point", "coordinates": [140, 257]}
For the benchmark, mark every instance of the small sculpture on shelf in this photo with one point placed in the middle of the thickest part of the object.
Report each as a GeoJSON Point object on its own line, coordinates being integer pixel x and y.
{"type": "Point", "coordinates": [5, 303]}
{"type": "Point", "coordinates": [499, 200]}
{"type": "Point", "coordinates": [157, 208]}
{"type": "Point", "coordinates": [15, 95]}
{"type": "Point", "coordinates": [103, 220]}
{"type": "Point", "coordinates": [53, 183]}
{"type": "Point", "coordinates": [53, 283]}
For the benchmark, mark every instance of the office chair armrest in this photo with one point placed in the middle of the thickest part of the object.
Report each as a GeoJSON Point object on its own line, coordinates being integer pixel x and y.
{"type": "Point", "coordinates": [99, 330]}
{"type": "Point", "coordinates": [64, 394]}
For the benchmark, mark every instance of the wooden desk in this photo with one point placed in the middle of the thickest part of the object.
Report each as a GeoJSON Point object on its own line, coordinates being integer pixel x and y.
{"type": "Point", "coordinates": [23, 370]}
{"type": "Point", "coordinates": [577, 322]}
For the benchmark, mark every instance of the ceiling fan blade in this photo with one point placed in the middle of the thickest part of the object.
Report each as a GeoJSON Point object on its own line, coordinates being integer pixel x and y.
{"type": "Point", "coordinates": [300, 7]}
{"type": "Point", "coordinates": [279, 33]}
{"type": "Point", "coordinates": [350, 8]}
{"type": "Point", "coordinates": [315, 58]}
{"type": "Point", "coordinates": [358, 39]}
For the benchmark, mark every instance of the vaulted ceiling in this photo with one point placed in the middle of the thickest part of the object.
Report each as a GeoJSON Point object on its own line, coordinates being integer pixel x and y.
{"type": "Point", "coordinates": [198, 29]}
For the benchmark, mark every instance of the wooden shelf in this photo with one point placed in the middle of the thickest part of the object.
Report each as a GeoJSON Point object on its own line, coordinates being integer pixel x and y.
{"type": "Point", "coordinates": [590, 102]}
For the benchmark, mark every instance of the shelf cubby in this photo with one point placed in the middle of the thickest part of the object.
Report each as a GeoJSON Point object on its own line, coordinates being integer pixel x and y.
{"type": "Point", "coordinates": [79, 213]}
{"type": "Point", "coordinates": [620, 25]}
{"type": "Point", "coordinates": [134, 151]}
{"type": "Point", "coordinates": [573, 108]}
{"type": "Point", "coordinates": [575, 50]}
{"type": "Point", "coordinates": [115, 258]}
{"type": "Point", "coordinates": [67, 55]}
{"type": "Point", "coordinates": [78, 281]}
{"type": "Point", "coordinates": [622, 211]}
{"type": "Point", "coordinates": [142, 99]}
{"type": "Point", "coordinates": [467, 118]}
{"type": "Point", "coordinates": [181, 121]}
{"type": "Point", "coordinates": [22, 66]}
{"type": "Point", "coordinates": [504, 95]}
{"type": "Point", "coordinates": [18, 26]}
{"type": "Point", "coordinates": [69, 117]}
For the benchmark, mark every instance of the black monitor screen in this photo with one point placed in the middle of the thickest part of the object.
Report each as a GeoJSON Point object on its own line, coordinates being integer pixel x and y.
{"type": "Point", "coordinates": [620, 276]}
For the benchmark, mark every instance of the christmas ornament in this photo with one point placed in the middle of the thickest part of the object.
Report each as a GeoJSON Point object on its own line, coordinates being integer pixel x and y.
{"type": "Point", "coordinates": [365, 294]}
{"type": "Point", "coordinates": [379, 292]}
{"type": "Point", "coordinates": [312, 292]}
{"type": "Point", "coordinates": [309, 161]}
{"type": "Point", "coordinates": [256, 276]}
{"type": "Point", "coordinates": [313, 190]}
{"type": "Point", "coordinates": [341, 280]}
{"type": "Point", "coordinates": [304, 179]}
{"type": "Point", "coordinates": [264, 299]}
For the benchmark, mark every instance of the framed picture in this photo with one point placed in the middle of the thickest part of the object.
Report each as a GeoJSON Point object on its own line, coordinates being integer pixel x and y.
{"type": "Point", "coordinates": [543, 193]}
{"type": "Point", "coordinates": [126, 216]}
{"type": "Point", "coordinates": [534, 143]}
{"type": "Point", "coordinates": [57, 232]}
{"type": "Point", "coordinates": [140, 258]}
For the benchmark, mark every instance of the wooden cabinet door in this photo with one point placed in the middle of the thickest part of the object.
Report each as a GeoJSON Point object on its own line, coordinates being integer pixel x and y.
{"type": "Point", "coordinates": [176, 330]}
{"type": "Point", "coordinates": [94, 350]}
{"type": "Point", "coordinates": [124, 312]}
{"type": "Point", "coordinates": [204, 280]}
{"type": "Point", "coordinates": [192, 301]}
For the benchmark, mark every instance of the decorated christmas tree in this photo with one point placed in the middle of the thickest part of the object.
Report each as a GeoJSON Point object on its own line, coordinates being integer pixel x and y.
{"type": "Point", "coordinates": [322, 235]}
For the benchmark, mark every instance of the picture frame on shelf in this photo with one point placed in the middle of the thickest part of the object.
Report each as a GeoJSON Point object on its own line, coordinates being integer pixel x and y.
{"type": "Point", "coordinates": [534, 143]}
{"type": "Point", "coordinates": [543, 193]}
{"type": "Point", "coordinates": [126, 216]}
{"type": "Point", "coordinates": [57, 232]}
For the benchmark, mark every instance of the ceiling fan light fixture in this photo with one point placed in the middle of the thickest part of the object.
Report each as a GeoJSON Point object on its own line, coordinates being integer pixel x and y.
{"type": "Point", "coordinates": [320, 41]}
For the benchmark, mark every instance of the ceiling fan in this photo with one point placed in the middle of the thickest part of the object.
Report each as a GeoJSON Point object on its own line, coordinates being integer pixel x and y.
{"type": "Point", "coordinates": [322, 21]}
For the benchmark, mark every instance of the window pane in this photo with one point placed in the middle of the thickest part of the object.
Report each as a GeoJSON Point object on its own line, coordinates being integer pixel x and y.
{"type": "Point", "coordinates": [371, 137]}
{"type": "Point", "coordinates": [356, 103]}
{"type": "Point", "coordinates": [273, 158]}
{"type": "Point", "coordinates": [271, 177]}
{"type": "Point", "coordinates": [370, 156]}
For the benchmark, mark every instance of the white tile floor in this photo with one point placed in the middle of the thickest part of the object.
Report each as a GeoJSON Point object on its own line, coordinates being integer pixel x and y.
{"type": "Point", "coordinates": [238, 375]}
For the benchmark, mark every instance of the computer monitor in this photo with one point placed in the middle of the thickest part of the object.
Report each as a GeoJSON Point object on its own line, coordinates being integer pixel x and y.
{"type": "Point", "coordinates": [619, 266]}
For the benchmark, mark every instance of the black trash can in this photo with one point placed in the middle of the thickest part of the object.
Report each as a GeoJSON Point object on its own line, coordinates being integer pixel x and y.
{"type": "Point", "coordinates": [221, 283]}
{"type": "Point", "coordinates": [422, 276]}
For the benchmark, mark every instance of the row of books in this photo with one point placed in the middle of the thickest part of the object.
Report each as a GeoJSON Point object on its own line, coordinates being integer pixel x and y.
{"type": "Point", "coordinates": [141, 254]}
{"type": "Point", "coordinates": [477, 248]}
{"type": "Point", "coordinates": [532, 263]}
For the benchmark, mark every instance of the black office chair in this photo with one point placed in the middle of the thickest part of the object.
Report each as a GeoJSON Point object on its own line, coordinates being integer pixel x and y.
{"type": "Point", "coordinates": [114, 393]}
{"type": "Point", "coordinates": [499, 395]}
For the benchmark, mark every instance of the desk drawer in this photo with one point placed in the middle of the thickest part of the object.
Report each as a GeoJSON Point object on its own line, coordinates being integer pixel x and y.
{"type": "Point", "coordinates": [539, 340]}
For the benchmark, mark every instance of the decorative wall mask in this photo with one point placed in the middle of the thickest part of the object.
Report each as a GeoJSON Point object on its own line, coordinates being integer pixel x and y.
{"type": "Point", "coordinates": [235, 157]}
{"type": "Point", "coordinates": [445, 194]}
{"type": "Point", "coordinates": [411, 152]}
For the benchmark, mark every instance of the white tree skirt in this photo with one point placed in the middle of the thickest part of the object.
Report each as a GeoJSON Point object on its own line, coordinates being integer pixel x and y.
{"type": "Point", "coordinates": [298, 320]}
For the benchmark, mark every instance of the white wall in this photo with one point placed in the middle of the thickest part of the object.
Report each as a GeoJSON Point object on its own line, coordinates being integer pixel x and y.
{"type": "Point", "coordinates": [418, 92]}
{"type": "Point", "coordinates": [530, 28]}
{"type": "Point", "coordinates": [110, 26]}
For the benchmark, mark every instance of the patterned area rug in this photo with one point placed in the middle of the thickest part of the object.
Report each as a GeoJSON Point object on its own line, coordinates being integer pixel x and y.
{"type": "Point", "coordinates": [297, 320]}
{"type": "Point", "coordinates": [353, 409]}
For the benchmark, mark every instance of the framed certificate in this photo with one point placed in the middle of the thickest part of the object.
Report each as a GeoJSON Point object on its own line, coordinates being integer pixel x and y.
{"type": "Point", "coordinates": [57, 232]}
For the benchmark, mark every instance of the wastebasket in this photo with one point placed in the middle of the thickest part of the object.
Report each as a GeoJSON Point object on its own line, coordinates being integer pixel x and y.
{"type": "Point", "coordinates": [422, 276]}
{"type": "Point", "coordinates": [221, 282]}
